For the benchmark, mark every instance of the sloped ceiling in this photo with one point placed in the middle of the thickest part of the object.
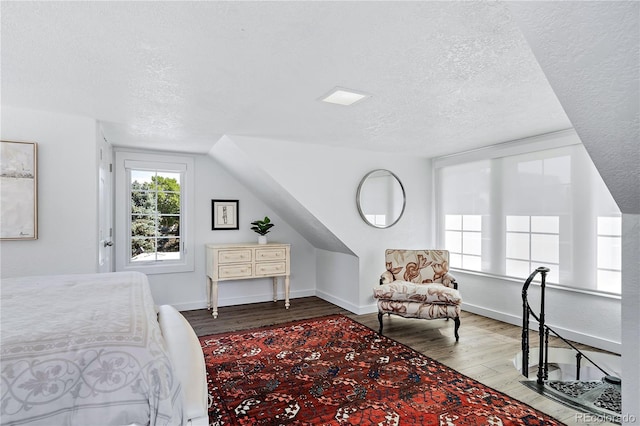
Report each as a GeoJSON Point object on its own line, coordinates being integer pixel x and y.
{"type": "Point", "coordinates": [444, 77]}
{"type": "Point", "coordinates": [249, 172]}
{"type": "Point", "coordinates": [590, 53]}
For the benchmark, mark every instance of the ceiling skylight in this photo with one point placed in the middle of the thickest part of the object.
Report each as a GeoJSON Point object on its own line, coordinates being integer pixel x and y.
{"type": "Point", "coordinates": [343, 96]}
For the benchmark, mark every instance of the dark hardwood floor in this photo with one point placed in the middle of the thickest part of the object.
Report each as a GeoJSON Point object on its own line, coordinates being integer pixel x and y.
{"type": "Point", "coordinates": [485, 351]}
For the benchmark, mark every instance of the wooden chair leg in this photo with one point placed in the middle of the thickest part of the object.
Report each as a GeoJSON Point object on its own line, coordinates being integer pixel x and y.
{"type": "Point", "coordinates": [457, 326]}
{"type": "Point", "coordinates": [380, 314]}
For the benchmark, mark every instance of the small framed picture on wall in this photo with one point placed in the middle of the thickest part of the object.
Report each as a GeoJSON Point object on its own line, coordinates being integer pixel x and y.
{"type": "Point", "coordinates": [224, 214]}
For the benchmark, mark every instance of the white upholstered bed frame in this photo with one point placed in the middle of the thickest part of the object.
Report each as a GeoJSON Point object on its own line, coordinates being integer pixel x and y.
{"type": "Point", "coordinates": [188, 363]}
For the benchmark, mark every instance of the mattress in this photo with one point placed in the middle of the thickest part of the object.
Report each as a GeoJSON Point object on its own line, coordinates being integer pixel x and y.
{"type": "Point", "coordinates": [85, 350]}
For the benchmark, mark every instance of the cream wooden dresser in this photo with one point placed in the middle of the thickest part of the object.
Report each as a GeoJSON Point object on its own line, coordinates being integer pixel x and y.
{"type": "Point", "coordinates": [246, 261]}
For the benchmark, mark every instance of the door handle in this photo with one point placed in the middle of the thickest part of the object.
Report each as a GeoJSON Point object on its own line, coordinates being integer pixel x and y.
{"type": "Point", "coordinates": [108, 243]}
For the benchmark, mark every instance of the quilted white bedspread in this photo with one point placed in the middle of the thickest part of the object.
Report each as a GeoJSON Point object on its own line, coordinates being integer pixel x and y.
{"type": "Point", "coordinates": [84, 350]}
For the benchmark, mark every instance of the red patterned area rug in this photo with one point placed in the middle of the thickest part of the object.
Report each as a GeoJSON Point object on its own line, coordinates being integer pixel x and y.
{"type": "Point", "coordinates": [334, 371]}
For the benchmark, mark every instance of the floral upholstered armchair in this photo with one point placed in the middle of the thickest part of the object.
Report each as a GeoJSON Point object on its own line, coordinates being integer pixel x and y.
{"type": "Point", "coordinates": [417, 284]}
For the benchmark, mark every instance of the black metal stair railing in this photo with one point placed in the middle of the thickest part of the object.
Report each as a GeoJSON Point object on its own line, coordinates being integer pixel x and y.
{"type": "Point", "coordinates": [602, 398]}
{"type": "Point", "coordinates": [543, 331]}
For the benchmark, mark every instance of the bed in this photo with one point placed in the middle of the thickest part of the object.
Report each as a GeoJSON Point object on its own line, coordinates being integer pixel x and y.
{"type": "Point", "coordinates": [94, 350]}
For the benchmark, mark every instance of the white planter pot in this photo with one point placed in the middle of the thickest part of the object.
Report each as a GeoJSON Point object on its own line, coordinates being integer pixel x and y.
{"type": "Point", "coordinates": [262, 239]}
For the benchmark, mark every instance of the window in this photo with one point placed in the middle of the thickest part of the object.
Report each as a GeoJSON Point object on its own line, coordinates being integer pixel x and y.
{"type": "Point", "coordinates": [463, 238]}
{"type": "Point", "coordinates": [155, 210]}
{"type": "Point", "coordinates": [153, 215]}
{"type": "Point", "coordinates": [508, 209]}
{"type": "Point", "coordinates": [609, 243]}
{"type": "Point", "coordinates": [532, 241]}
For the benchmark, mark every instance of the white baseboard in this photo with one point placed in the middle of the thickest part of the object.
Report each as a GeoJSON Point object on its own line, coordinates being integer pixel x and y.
{"type": "Point", "coordinates": [358, 310]}
{"type": "Point", "coordinates": [190, 306]}
{"type": "Point", "coordinates": [368, 309]}
{"type": "Point", "coordinates": [596, 342]}
{"type": "Point", "coordinates": [243, 300]}
{"type": "Point", "coordinates": [337, 301]}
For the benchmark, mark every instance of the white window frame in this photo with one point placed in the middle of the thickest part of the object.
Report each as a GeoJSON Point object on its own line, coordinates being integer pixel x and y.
{"type": "Point", "coordinates": [533, 261]}
{"type": "Point", "coordinates": [462, 258]}
{"type": "Point", "coordinates": [126, 160]}
{"type": "Point", "coordinates": [613, 233]}
{"type": "Point", "coordinates": [574, 247]}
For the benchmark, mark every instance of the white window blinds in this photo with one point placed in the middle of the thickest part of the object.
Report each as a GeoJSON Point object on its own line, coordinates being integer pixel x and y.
{"type": "Point", "coordinates": [508, 209]}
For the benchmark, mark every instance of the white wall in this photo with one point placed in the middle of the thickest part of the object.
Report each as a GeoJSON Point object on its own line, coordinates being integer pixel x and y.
{"type": "Point", "coordinates": [188, 290]}
{"type": "Point", "coordinates": [631, 316]}
{"type": "Point", "coordinates": [501, 299]}
{"type": "Point", "coordinates": [337, 279]}
{"type": "Point", "coordinates": [325, 180]}
{"type": "Point", "coordinates": [67, 194]}
{"type": "Point", "coordinates": [68, 217]}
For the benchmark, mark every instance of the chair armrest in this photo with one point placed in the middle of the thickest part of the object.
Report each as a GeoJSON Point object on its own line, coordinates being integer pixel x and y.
{"type": "Point", "coordinates": [449, 281]}
{"type": "Point", "coordinates": [386, 278]}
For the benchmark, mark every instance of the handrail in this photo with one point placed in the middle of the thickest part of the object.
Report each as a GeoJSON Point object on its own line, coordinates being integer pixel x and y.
{"type": "Point", "coordinates": [543, 359]}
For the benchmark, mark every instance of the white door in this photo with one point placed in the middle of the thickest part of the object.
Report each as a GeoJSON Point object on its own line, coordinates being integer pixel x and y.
{"type": "Point", "coordinates": [105, 206]}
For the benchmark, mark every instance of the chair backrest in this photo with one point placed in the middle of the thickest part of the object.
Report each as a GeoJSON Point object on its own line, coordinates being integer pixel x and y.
{"type": "Point", "coordinates": [417, 266]}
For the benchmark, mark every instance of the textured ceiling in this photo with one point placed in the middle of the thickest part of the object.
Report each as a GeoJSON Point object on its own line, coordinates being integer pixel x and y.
{"type": "Point", "coordinates": [590, 52]}
{"type": "Point", "coordinates": [443, 77]}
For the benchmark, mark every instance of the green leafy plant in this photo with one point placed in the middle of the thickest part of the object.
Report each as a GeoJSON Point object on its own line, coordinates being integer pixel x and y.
{"type": "Point", "coordinates": [263, 226]}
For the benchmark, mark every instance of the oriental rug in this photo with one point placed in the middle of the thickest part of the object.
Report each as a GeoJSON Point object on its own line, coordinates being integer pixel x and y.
{"type": "Point", "coordinates": [335, 371]}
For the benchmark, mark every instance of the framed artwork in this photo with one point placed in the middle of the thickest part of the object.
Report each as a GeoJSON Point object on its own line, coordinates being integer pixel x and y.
{"type": "Point", "coordinates": [18, 190]}
{"type": "Point", "coordinates": [224, 214]}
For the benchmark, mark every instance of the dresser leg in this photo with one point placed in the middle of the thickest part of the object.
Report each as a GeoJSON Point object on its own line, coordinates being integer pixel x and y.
{"type": "Point", "coordinates": [208, 293]}
{"type": "Point", "coordinates": [286, 292]}
{"type": "Point", "coordinates": [214, 298]}
{"type": "Point", "coordinates": [275, 289]}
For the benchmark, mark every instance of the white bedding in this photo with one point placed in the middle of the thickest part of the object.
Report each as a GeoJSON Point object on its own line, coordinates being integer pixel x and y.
{"type": "Point", "coordinates": [84, 350]}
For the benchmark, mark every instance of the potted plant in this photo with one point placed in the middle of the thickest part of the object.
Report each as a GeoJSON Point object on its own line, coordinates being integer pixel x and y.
{"type": "Point", "coordinates": [262, 227]}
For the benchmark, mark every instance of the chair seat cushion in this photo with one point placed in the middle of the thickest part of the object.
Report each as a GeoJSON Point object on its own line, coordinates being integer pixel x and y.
{"type": "Point", "coordinates": [404, 291]}
{"type": "Point", "coordinates": [418, 310]}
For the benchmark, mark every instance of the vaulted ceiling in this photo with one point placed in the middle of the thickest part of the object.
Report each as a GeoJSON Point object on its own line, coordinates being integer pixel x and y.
{"type": "Point", "coordinates": [443, 77]}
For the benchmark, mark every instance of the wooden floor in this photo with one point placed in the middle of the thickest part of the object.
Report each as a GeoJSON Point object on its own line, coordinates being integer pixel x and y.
{"type": "Point", "coordinates": [485, 351]}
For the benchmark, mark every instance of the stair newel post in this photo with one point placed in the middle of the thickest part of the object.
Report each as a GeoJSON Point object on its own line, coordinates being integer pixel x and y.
{"type": "Point", "coordinates": [541, 331]}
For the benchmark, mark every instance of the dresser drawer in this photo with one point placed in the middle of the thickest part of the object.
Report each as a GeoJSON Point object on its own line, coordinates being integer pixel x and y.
{"type": "Point", "coordinates": [270, 254]}
{"type": "Point", "coordinates": [234, 271]}
{"type": "Point", "coordinates": [271, 268]}
{"type": "Point", "coordinates": [234, 256]}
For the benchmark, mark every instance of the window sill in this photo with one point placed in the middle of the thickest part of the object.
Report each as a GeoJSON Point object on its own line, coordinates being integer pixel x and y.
{"type": "Point", "coordinates": [602, 294]}
{"type": "Point", "coordinates": [153, 269]}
